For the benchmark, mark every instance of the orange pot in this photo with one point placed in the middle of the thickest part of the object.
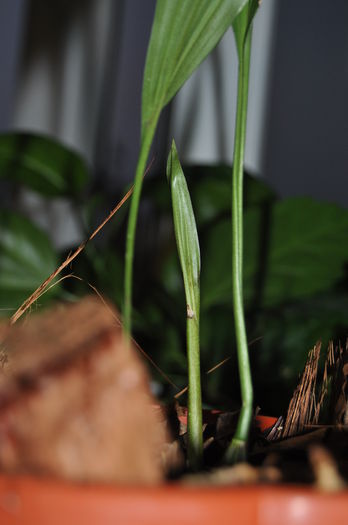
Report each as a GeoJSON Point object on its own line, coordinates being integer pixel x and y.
{"type": "Point", "coordinates": [30, 501]}
{"type": "Point", "coordinates": [27, 500]}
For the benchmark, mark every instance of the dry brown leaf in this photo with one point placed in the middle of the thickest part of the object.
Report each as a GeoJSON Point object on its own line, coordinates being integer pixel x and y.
{"type": "Point", "coordinates": [302, 405]}
{"type": "Point", "coordinates": [75, 400]}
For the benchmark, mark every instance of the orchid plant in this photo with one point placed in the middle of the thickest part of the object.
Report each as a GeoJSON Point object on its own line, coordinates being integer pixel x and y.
{"type": "Point", "coordinates": [183, 34]}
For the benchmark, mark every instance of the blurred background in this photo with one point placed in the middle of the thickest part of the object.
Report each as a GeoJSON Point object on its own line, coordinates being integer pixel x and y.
{"type": "Point", "coordinates": [73, 71]}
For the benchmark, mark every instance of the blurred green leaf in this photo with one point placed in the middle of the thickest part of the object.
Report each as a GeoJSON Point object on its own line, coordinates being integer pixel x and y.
{"type": "Point", "coordinates": [42, 164]}
{"type": "Point", "coordinates": [211, 192]}
{"type": "Point", "coordinates": [287, 334]}
{"type": "Point", "coordinates": [299, 325]}
{"type": "Point", "coordinates": [27, 258]}
{"type": "Point", "coordinates": [293, 249]}
{"type": "Point", "coordinates": [216, 284]}
{"type": "Point", "coordinates": [304, 232]}
{"type": "Point", "coordinates": [183, 34]}
{"type": "Point", "coordinates": [210, 189]}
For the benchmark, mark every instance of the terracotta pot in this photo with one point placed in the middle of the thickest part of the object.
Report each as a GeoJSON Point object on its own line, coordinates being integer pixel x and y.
{"type": "Point", "coordinates": [39, 501]}
{"type": "Point", "coordinates": [30, 501]}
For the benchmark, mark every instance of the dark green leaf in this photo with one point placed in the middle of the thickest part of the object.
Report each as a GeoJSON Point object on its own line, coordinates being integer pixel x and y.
{"type": "Point", "coordinates": [26, 259]}
{"type": "Point", "coordinates": [291, 250]}
{"type": "Point", "coordinates": [42, 164]}
{"type": "Point", "coordinates": [210, 189]}
{"type": "Point", "coordinates": [211, 192]}
{"type": "Point", "coordinates": [288, 333]}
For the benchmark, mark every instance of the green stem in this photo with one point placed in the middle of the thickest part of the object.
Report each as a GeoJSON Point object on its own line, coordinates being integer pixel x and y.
{"type": "Point", "coordinates": [194, 420]}
{"type": "Point", "coordinates": [237, 448]}
{"type": "Point", "coordinates": [132, 223]}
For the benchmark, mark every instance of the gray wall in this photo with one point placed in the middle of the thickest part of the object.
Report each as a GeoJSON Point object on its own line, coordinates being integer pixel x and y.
{"type": "Point", "coordinates": [12, 17]}
{"type": "Point", "coordinates": [307, 144]}
{"type": "Point", "coordinates": [297, 128]}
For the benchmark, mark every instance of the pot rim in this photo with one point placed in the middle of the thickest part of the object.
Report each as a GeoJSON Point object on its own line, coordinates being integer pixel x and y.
{"type": "Point", "coordinates": [29, 500]}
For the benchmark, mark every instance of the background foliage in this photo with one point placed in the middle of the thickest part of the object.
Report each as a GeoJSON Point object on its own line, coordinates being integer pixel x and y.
{"type": "Point", "coordinates": [296, 260]}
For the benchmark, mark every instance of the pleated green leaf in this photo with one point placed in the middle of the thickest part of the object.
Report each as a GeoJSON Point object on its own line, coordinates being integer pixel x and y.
{"type": "Point", "coordinates": [183, 34]}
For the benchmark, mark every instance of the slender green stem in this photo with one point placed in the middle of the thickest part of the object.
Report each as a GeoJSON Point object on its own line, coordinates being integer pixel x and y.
{"type": "Point", "coordinates": [132, 223]}
{"type": "Point", "coordinates": [195, 437]}
{"type": "Point", "coordinates": [237, 448]}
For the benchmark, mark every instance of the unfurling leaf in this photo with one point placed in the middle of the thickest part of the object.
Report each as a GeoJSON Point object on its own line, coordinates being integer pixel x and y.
{"type": "Point", "coordinates": [185, 231]}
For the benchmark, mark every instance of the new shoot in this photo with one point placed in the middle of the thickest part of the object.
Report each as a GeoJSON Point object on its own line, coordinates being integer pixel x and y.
{"type": "Point", "coordinates": [190, 261]}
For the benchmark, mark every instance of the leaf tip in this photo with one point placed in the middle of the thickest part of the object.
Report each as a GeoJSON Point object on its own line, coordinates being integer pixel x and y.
{"type": "Point", "coordinates": [173, 154]}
